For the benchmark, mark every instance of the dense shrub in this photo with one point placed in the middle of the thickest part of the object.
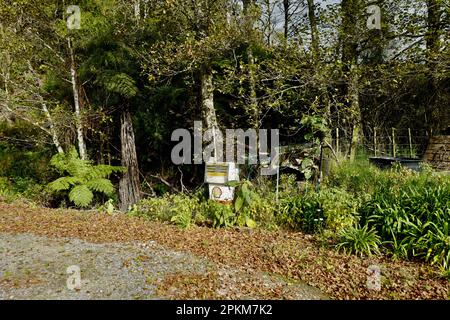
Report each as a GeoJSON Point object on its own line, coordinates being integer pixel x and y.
{"type": "Point", "coordinates": [221, 215]}
{"type": "Point", "coordinates": [412, 217]}
{"type": "Point", "coordinates": [263, 210]}
{"type": "Point", "coordinates": [24, 174]}
{"type": "Point", "coordinates": [177, 208]}
{"type": "Point", "coordinates": [410, 211]}
{"type": "Point", "coordinates": [302, 212]}
{"type": "Point", "coordinates": [340, 208]}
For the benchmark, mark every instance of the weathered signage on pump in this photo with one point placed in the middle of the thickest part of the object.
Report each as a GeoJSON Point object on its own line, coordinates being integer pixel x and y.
{"type": "Point", "coordinates": [217, 175]}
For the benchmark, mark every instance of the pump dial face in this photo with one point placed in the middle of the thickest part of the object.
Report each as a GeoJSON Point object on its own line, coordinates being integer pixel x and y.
{"type": "Point", "coordinates": [216, 192]}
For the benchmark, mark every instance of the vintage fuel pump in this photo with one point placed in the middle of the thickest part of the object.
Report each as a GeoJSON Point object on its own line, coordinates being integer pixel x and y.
{"type": "Point", "coordinates": [217, 176]}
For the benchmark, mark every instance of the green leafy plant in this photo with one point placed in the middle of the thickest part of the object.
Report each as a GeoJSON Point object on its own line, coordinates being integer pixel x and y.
{"type": "Point", "coordinates": [340, 208]}
{"type": "Point", "coordinates": [82, 178]}
{"type": "Point", "coordinates": [359, 240]}
{"type": "Point", "coordinates": [182, 219]}
{"type": "Point", "coordinates": [412, 218]}
{"type": "Point", "coordinates": [244, 198]}
{"type": "Point", "coordinates": [302, 212]}
{"type": "Point", "coordinates": [222, 215]}
{"type": "Point", "coordinates": [107, 207]}
{"type": "Point", "coordinates": [179, 209]}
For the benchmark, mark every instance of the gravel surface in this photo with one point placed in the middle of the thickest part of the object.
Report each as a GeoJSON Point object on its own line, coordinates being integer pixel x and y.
{"type": "Point", "coordinates": [35, 267]}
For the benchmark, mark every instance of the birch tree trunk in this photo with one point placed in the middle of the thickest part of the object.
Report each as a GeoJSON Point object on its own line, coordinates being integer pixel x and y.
{"type": "Point", "coordinates": [353, 95]}
{"type": "Point", "coordinates": [129, 185]}
{"type": "Point", "coordinates": [52, 128]}
{"type": "Point", "coordinates": [207, 97]}
{"type": "Point", "coordinates": [207, 102]}
{"type": "Point", "coordinates": [253, 100]}
{"type": "Point", "coordinates": [76, 99]}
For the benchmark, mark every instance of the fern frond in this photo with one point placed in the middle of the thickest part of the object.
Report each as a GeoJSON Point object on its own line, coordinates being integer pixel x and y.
{"type": "Point", "coordinates": [102, 171]}
{"type": "Point", "coordinates": [71, 163]}
{"type": "Point", "coordinates": [101, 185]}
{"type": "Point", "coordinates": [120, 83]}
{"type": "Point", "coordinates": [81, 195]}
{"type": "Point", "coordinates": [63, 183]}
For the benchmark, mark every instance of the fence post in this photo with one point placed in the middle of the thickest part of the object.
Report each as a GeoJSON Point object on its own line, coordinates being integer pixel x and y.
{"type": "Point", "coordinates": [394, 151]}
{"type": "Point", "coordinates": [410, 143]}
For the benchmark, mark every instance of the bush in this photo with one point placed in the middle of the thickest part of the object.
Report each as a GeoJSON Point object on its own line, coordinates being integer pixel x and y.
{"type": "Point", "coordinates": [340, 208]}
{"type": "Point", "coordinates": [357, 177]}
{"type": "Point", "coordinates": [262, 209]}
{"type": "Point", "coordinates": [412, 217]}
{"type": "Point", "coordinates": [303, 213]}
{"type": "Point", "coordinates": [180, 209]}
{"type": "Point", "coordinates": [221, 215]}
{"type": "Point", "coordinates": [359, 240]}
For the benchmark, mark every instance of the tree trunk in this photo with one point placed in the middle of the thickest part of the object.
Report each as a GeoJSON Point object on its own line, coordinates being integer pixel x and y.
{"type": "Point", "coordinates": [207, 97]}
{"type": "Point", "coordinates": [315, 41]}
{"type": "Point", "coordinates": [432, 50]}
{"type": "Point", "coordinates": [52, 128]}
{"type": "Point", "coordinates": [76, 99]}
{"type": "Point", "coordinates": [129, 185]}
{"type": "Point", "coordinates": [353, 96]}
{"type": "Point", "coordinates": [350, 13]}
{"type": "Point", "coordinates": [286, 18]}
{"type": "Point", "coordinates": [314, 30]}
{"type": "Point", "coordinates": [253, 110]}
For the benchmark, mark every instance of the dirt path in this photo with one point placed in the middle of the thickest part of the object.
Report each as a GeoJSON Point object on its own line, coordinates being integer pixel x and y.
{"type": "Point", "coordinates": [35, 267]}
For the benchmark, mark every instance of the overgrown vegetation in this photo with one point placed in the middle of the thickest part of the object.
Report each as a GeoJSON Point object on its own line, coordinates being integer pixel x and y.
{"type": "Point", "coordinates": [82, 178]}
{"type": "Point", "coordinates": [361, 209]}
{"type": "Point", "coordinates": [117, 87]}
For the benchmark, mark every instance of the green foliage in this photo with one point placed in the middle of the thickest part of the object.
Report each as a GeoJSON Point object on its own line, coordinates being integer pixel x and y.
{"type": "Point", "coordinates": [302, 212]}
{"type": "Point", "coordinates": [358, 177]}
{"type": "Point", "coordinates": [340, 208]}
{"type": "Point", "coordinates": [222, 215]}
{"type": "Point", "coordinates": [83, 178]}
{"type": "Point", "coordinates": [179, 209]}
{"type": "Point", "coordinates": [409, 211]}
{"type": "Point", "coordinates": [412, 217]}
{"type": "Point", "coordinates": [107, 207]}
{"type": "Point", "coordinates": [359, 240]}
{"type": "Point", "coordinates": [244, 199]}
{"type": "Point", "coordinates": [261, 211]}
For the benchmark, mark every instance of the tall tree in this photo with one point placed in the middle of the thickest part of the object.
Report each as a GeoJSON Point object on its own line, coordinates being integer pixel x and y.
{"type": "Point", "coordinates": [349, 34]}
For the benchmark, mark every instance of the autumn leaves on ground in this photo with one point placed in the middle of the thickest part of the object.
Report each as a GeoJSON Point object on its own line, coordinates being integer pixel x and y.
{"type": "Point", "coordinates": [290, 256]}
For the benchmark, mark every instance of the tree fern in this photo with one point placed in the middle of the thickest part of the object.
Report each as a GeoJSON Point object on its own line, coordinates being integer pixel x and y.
{"type": "Point", "coordinates": [81, 195]}
{"type": "Point", "coordinates": [82, 178]}
{"type": "Point", "coordinates": [120, 83]}
{"type": "Point", "coordinates": [64, 183]}
{"type": "Point", "coordinates": [101, 185]}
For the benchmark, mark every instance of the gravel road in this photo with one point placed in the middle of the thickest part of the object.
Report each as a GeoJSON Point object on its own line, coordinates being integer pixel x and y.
{"type": "Point", "coordinates": [35, 267]}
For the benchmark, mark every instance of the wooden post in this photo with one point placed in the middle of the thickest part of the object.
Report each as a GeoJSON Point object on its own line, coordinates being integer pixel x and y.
{"type": "Point", "coordinates": [394, 151]}
{"type": "Point", "coordinates": [375, 140]}
{"type": "Point", "coordinates": [337, 143]}
{"type": "Point", "coordinates": [410, 143]}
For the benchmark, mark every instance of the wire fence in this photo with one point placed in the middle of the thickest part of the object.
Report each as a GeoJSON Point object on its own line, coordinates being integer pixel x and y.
{"type": "Point", "coordinates": [393, 142]}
